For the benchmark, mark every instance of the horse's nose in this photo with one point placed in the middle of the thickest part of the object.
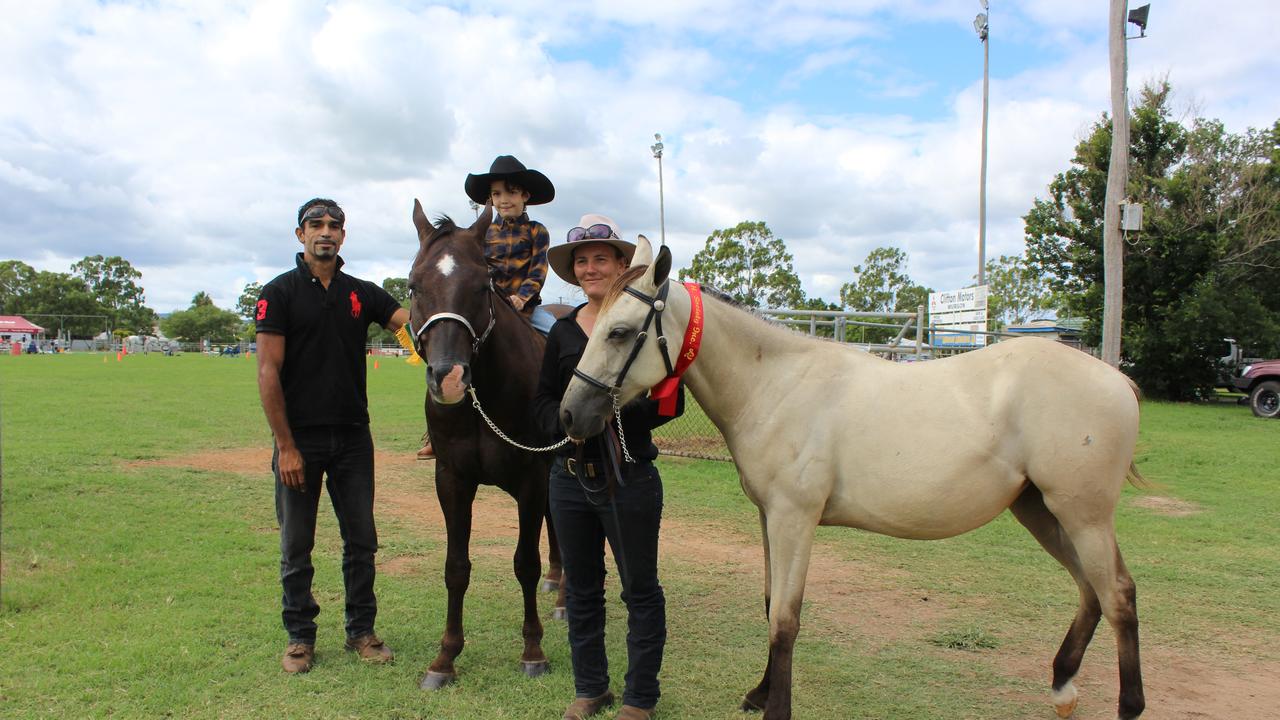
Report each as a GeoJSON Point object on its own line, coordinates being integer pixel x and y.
{"type": "Point", "coordinates": [438, 373]}
{"type": "Point", "coordinates": [566, 419]}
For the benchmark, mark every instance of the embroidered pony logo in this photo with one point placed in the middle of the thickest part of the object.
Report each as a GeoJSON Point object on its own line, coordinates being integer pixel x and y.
{"type": "Point", "coordinates": [355, 305]}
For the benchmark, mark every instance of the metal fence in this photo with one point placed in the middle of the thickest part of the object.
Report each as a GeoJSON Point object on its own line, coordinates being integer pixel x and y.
{"type": "Point", "coordinates": [694, 435]}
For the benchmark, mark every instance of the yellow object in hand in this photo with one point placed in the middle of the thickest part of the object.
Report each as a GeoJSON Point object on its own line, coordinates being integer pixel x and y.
{"type": "Point", "coordinates": [406, 342]}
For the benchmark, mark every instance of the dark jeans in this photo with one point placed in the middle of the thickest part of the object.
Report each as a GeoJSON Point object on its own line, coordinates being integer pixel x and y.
{"type": "Point", "coordinates": [345, 454]}
{"type": "Point", "coordinates": [583, 526]}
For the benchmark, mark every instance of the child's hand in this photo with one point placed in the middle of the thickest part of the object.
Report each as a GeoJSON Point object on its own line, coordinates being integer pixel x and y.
{"type": "Point", "coordinates": [517, 302]}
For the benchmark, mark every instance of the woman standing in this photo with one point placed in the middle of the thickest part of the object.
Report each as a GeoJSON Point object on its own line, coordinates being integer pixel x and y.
{"type": "Point", "coordinates": [588, 506]}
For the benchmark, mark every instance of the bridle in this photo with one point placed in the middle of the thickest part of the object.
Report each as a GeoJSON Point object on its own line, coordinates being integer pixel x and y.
{"type": "Point", "coordinates": [657, 304]}
{"type": "Point", "coordinates": [476, 340]}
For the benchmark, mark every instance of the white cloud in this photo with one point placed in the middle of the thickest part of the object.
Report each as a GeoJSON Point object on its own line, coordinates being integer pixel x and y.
{"type": "Point", "coordinates": [184, 136]}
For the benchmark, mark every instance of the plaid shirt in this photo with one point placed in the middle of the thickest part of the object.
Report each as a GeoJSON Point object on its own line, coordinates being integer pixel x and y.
{"type": "Point", "coordinates": [516, 250]}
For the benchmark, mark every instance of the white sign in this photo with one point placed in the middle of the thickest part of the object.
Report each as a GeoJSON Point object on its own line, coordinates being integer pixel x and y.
{"type": "Point", "coordinates": [961, 315]}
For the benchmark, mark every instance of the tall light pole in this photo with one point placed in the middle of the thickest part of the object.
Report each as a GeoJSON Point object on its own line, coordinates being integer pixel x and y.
{"type": "Point", "coordinates": [662, 211]}
{"type": "Point", "coordinates": [1117, 179]}
{"type": "Point", "coordinates": [980, 24]}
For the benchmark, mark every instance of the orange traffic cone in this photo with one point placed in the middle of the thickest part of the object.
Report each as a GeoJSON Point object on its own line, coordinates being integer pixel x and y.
{"type": "Point", "coordinates": [375, 364]}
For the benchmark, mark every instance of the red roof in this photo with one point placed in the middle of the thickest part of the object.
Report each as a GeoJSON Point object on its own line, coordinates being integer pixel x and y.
{"type": "Point", "coordinates": [18, 324]}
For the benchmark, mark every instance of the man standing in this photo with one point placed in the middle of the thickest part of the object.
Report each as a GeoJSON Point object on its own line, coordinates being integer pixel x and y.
{"type": "Point", "coordinates": [311, 327]}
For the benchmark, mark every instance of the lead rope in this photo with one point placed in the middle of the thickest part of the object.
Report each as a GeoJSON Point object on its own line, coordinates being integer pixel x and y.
{"type": "Point", "coordinates": [622, 437]}
{"type": "Point", "coordinates": [475, 403]}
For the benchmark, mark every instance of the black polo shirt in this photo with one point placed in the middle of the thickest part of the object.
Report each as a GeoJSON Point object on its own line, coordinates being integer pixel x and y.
{"type": "Point", "coordinates": [324, 342]}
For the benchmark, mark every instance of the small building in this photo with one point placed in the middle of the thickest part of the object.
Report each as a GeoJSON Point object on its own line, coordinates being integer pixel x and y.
{"type": "Point", "coordinates": [1066, 331]}
{"type": "Point", "coordinates": [17, 329]}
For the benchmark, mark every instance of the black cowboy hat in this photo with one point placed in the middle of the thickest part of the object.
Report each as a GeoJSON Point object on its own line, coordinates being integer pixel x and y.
{"type": "Point", "coordinates": [506, 167]}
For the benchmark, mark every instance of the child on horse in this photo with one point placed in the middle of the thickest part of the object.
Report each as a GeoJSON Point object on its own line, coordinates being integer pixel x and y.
{"type": "Point", "coordinates": [516, 246]}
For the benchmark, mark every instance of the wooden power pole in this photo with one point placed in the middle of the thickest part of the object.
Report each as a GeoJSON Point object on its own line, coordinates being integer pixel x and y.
{"type": "Point", "coordinates": [1117, 181]}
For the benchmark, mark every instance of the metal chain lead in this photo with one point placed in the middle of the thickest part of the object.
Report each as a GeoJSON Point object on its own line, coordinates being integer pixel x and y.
{"type": "Point", "coordinates": [475, 403]}
{"type": "Point", "coordinates": [622, 437]}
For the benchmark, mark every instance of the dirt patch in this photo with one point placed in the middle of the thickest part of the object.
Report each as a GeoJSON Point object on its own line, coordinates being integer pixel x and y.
{"type": "Point", "coordinates": [1162, 505]}
{"type": "Point", "coordinates": [853, 597]}
{"type": "Point", "coordinates": [243, 461]}
{"type": "Point", "coordinates": [1177, 686]}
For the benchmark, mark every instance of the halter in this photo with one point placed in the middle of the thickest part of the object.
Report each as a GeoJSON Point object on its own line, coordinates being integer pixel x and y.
{"type": "Point", "coordinates": [476, 340]}
{"type": "Point", "coordinates": [657, 304]}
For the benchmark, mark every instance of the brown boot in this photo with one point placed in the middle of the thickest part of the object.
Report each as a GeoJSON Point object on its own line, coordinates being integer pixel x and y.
{"type": "Point", "coordinates": [427, 452]}
{"type": "Point", "coordinates": [370, 649]}
{"type": "Point", "coordinates": [298, 658]}
{"type": "Point", "coordinates": [631, 712]}
{"type": "Point", "coordinates": [586, 707]}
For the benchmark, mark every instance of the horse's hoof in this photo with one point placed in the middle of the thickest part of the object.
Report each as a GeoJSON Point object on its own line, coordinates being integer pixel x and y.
{"type": "Point", "coordinates": [535, 669]}
{"type": "Point", "coordinates": [435, 680]}
{"type": "Point", "coordinates": [751, 706]}
{"type": "Point", "coordinates": [549, 585]}
{"type": "Point", "coordinates": [1064, 700]}
{"type": "Point", "coordinates": [559, 614]}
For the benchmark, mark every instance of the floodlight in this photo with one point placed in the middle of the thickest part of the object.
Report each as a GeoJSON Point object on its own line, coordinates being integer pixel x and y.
{"type": "Point", "coordinates": [980, 26]}
{"type": "Point", "coordinates": [1138, 16]}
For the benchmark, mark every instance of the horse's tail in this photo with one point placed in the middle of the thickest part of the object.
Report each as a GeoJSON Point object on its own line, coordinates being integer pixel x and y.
{"type": "Point", "coordinates": [1135, 477]}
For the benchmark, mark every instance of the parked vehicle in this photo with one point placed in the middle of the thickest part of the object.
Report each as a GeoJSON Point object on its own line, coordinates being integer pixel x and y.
{"type": "Point", "coordinates": [1261, 381]}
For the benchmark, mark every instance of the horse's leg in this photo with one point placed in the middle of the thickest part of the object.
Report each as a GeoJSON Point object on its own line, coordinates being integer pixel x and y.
{"type": "Point", "coordinates": [790, 542]}
{"type": "Point", "coordinates": [1030, 510]}
{"type": "Point", "coordinates": [759, 696]}
{"type": "Point", "coordinates": [456, 497]}
{"type": "Point", "coordinates": [532, 505]}
{"type": "Point", "coordinates": [551, 581]}
{"type": "Point", "coordinates": [1092, 533]}
{"type": "Point", "coordinates": [554, 579]}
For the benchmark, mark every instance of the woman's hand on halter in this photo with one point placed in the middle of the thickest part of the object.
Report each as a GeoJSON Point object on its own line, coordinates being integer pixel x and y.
{"type": "Point", "coordinates": [517, 302]}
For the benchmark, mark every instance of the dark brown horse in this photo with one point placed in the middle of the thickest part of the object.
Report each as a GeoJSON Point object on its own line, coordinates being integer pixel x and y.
{"type": "Point", "coordinates": [472, 339]}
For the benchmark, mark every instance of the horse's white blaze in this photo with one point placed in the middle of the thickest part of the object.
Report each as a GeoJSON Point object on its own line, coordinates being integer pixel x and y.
{"type": "Point", "coordinates": [446, 265]}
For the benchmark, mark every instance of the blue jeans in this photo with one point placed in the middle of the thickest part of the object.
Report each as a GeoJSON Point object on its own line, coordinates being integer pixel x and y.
{"type": "Point", "coordinates": [345, 455]}
{"type": "Point", "coordinates": [542, 320]}
{"type": "Point", "coordinates": [583, 522]}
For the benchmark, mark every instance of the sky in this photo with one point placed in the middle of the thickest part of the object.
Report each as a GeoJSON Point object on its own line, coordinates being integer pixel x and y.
{"type": "Point", "coordinates": [183, 136]}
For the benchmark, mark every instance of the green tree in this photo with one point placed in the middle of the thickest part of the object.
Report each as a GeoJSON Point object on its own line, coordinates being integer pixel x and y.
{"type": "Point", "coordinates": [247, 305]}
{"type": "Point", "coordinates": [399, 289]}
{"type": "Point", "coordinates": [50, 293]}
{"type": "Point", "coordinates": [1016, 293]}
{"type": "Point", "coordinates": [112, 281]}
{"type": "Point", "coordinates": [881, 284]}
{"type": "Point", "coordinates": [203, 321]}
{"type": "Point", "coordinates": [748, 263]}
{"type": "Point", "coordinates": [1204, 263]}
{"type": "Point", "coordinates": [16, 279]}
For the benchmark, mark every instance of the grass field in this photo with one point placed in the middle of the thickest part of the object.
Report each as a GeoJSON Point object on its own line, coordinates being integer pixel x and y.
{"type": "Point", "coordinates": [140, 582]}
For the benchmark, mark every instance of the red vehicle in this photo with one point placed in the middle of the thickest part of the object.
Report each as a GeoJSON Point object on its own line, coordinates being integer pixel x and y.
{"type": "Point", "coordinates": [1261, 380]}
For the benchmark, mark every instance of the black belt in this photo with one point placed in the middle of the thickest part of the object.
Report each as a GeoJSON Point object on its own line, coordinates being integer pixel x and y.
{"type": "Point", "coordinates": [591, 470]}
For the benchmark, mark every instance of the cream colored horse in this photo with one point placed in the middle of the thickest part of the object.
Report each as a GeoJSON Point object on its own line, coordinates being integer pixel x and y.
{"type": "Point", "coordinates": [823, 434]}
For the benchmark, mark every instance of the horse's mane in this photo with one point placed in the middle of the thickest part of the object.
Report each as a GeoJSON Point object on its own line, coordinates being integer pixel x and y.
{"type": "Point", "coordinates": [620, 285]}
{"type": "Point", "coordinates": [443, 225]}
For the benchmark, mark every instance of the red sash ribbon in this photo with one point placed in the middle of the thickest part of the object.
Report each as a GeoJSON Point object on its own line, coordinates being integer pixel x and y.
{"type": "Point", "coordinates": [665, 391]}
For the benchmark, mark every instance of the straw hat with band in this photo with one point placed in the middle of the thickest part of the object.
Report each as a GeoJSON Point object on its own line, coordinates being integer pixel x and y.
{"type": "Point", "coordinates": [506, 167]}
{"type": "Point", "coordinates": [591, 229]}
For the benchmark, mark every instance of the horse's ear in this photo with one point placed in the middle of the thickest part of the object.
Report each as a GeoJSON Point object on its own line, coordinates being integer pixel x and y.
{"type": "Point", "coordinates": [420, 221]}
{"type": "Point", "coordinates": [662, 266]}
{"type": "Point", "coordinates": [644, 252]}
{"type": "Point", "coordinates": [481, 225]}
